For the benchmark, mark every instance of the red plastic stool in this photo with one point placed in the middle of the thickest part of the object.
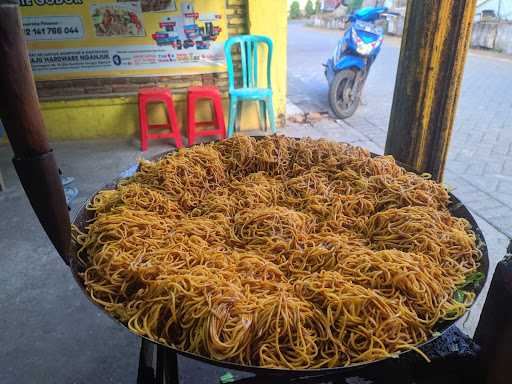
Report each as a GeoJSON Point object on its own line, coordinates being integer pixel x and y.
{"type": "Point", "coordinates": [201, 93]}
{"type": "Point", "coordinates": [157, 95]}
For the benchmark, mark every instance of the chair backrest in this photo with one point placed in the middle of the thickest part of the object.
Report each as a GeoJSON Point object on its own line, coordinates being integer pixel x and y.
{"type": "Point", "coordinates": [249, 59]}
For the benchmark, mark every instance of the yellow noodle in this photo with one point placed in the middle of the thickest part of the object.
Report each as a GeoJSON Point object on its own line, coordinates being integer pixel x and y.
{"type": "Point", "coordinates": [279, 253]}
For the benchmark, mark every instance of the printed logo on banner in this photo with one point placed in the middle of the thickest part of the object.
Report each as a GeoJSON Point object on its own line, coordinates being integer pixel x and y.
{"type": "Point", "coordinates": [117, 59]}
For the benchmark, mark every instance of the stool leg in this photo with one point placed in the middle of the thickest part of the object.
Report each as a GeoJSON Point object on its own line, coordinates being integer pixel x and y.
{"type": "Point", "coordinates": [143, 125]}
{"type": "Point", "coordinates": [178, 140]}
{"type": "Point", "coordinates": [271, 115]}
{"type": "Point", "coordinates": [219, 116]}
{"type": "Point", "coordinates": [232, 115]}
{"type": "Point", "coordinates": [263, 115]}
{"type": "Point", "coordinates": [173, 121]}
{"type": "Point", "coordinates": [191, 119]}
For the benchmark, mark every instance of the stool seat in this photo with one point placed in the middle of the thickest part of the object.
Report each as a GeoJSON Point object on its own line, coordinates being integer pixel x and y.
{"type": "Point", "coordinates": [171, 128]}
{"type": "Point", "coordinates": [218, 125]}
{"type": "Point", "coordinates": [205, 90]}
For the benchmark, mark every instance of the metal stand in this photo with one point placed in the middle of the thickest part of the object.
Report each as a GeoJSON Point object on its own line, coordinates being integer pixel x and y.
{"type": "Point", "coordinates": [2, 183]}
{"type": "Point", "coordinates": [157, 365]}
{"type": "Point", "coordinates": [453, 357]}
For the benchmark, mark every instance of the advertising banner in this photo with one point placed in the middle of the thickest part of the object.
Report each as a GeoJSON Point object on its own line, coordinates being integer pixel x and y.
{"type": "Point", "coordinates": [108, 38]}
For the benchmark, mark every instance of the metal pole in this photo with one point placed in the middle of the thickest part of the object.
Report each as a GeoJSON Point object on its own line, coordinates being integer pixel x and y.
{"type": "Point", "coordinates": [434, 46]}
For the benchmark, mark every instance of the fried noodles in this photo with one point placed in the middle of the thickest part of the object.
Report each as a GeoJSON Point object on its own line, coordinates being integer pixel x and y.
{"type": "Point", "coordinates": [278, 253]}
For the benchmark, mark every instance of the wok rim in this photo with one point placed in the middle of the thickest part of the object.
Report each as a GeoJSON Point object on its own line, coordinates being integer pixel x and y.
{"type": "Point", "coordinates": [456, 208]}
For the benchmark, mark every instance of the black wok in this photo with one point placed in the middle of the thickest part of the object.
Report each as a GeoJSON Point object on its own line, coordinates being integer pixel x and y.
{"type": "Point", "coordinates": [456, 208]}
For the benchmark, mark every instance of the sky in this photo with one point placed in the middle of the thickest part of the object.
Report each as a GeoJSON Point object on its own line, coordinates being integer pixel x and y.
{"type": "Point", "coordinates": [506, 7]}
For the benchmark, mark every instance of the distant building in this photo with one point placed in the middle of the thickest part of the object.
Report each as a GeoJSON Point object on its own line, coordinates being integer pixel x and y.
{"type": "Point", "coordinates": [376, 3]}
{"type": "Point", "coordinates": [498, 9]}
{"type": "Point", "coordinates": [329, 5]}
{"type": "Point", "coordinates": [332, 5]}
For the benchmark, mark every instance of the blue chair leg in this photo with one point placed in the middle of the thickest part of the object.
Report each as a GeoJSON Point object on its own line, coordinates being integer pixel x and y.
{"type": "Point", "coordinates": [239, 112]}
{"type": "Point", "coordinates": [233, 102]}
{"type": "Point", "coordinates": [263, 115]}
{"type": "Point", "coordinates": [271, 115]}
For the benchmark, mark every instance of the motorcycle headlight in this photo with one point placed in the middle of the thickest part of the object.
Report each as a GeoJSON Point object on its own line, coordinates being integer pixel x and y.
{"type": "Point", "coordinates": [363, 48]}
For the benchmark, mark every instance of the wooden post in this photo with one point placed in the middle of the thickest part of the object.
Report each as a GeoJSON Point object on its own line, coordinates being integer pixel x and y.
{"type": "Point", "coordinates": [19, 107]}
{"type": "Point", "coordinates": [434, 46]}
{"type": "Point", "coordinates": [17, 88]}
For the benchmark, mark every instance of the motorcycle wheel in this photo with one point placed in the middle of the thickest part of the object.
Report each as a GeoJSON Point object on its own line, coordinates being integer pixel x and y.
{"type": "Point", "coordinates": [344, 93]}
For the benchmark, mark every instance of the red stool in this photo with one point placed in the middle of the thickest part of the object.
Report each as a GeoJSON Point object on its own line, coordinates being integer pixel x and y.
{"type": "Point", "coordinates": [157, 95]}
{"type": "Point", "coordinates": [201, 93]}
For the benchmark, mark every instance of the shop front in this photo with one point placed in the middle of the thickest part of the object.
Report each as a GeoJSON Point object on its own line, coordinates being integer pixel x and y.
{"type": "Point", "coordinates": [90, 59]}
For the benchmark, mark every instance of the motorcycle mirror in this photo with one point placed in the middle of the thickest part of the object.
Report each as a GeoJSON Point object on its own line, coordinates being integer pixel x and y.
{"type": "Point", "coordinates": [390, 14]}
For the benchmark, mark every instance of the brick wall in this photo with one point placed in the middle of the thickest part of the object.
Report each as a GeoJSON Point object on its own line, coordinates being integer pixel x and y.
{"type": "Point", "coordinates": [236, 12]}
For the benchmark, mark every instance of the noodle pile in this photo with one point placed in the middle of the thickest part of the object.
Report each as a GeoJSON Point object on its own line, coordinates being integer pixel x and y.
{"type": "Point", "coordinates": [278, 253]}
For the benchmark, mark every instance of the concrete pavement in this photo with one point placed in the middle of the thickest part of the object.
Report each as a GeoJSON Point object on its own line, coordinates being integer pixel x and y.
{"type": "Point", "coordinates": [50, 333]}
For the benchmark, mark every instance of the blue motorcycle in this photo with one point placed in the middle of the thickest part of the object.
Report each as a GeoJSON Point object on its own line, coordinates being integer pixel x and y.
{"type": "Point", "coordinates": [348, 69]}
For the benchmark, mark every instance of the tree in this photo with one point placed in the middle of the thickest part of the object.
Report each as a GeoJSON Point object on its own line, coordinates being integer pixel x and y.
{"type": "Point", "coordinates": [355, 5]}
{"type": "Point", "coordinates": [317, 7]}
{"type": "Point", "coordinates": [295, 10]}
{"type": "Point", "coordinates": [310, 11]}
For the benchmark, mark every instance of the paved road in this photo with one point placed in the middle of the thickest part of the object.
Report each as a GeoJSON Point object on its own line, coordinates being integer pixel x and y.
{"type": "Point", "coordinates": [480, 157]}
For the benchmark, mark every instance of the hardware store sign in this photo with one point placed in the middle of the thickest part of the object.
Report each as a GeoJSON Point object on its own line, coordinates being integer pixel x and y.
{"type": "Point", "coordinates": [80, 38]}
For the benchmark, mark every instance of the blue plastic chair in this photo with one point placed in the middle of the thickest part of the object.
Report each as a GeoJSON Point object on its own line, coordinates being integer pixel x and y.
{"type": "Point", "coordinates": [248, 89]}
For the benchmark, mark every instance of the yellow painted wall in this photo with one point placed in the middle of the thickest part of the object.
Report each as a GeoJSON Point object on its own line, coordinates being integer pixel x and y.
{"type": "Point", "coordinates": [108, 117]}
{"type": "Point", "coordinates": [118, 117]}
{"type": "Point", "coordinates": [270, 18]}
{"type": "Point", "coordinates": [90, 118]}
